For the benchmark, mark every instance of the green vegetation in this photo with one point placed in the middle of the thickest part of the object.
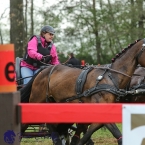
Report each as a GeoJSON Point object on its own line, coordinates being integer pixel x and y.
{"type": "Point", "coordinates": [95, 30]}
{"type": "Point", "coordinates": [104, 137]}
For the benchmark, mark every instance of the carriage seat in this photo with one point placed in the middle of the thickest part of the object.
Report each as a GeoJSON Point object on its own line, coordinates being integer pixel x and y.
{"type": "Point", "coordinates": [18, 71]}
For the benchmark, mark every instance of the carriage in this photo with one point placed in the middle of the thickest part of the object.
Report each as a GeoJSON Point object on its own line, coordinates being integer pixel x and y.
{"type": "Point", "coordinates": [33, 130]}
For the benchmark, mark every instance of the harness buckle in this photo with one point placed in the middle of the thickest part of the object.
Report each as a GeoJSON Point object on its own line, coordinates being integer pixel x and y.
{"type": "Point", "coordinates": [67, 100]}
{"type": "Point", "coordinates": [118, 98]}
{"type": "Point", "coordinates": [80, 80]}
{"type": "Point", "coordinates": [100, 78]}
{"type": "Point", "coordinates": [86, 93]}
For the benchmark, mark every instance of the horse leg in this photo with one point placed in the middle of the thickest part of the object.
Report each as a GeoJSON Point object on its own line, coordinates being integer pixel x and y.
{"type": "Point", "coordinates": [83, 128]}
{"type": "Point", "coordinates": [76, 136]}
{"type": "Point", "coordinates": [90, 142]}
{"type": "Point", "coordinates": [115, 132]}
{"type": "Point", "coordinates": [62, 129]}
{"type": "Point", "coordinates": [92, 128]}
{"type": "Point", "coordinates": [54, 134]}
{"type": "Point", "coordinates": [111, 127]}
{"type": "Point", "coordinates": [80, 128]}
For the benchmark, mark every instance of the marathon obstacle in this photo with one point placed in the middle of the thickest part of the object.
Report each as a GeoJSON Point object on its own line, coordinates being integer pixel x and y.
{"type": "Point", "coordinates": [14, 113]}
{"type": "Point", "coordinates": [131, 115]}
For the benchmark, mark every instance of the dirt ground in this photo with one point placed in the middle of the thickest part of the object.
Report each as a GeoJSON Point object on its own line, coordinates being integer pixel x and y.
{"type": "Point", "coordinates": [105, 141]}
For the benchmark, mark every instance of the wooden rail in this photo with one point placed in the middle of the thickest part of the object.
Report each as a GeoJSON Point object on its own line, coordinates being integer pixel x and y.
{"type": "Point", "coordinates": [70, 113]}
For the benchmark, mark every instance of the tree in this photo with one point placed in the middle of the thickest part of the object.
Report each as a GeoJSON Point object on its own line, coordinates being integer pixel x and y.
{"type": "Point", "coordinates": [97, 28]}
{"type": "Point", "coordinates": [17, 26]}
{"type": "Point", "coordinates": [32, 22]}
{"type": "Point", "coordinates": [141, 18]}
{"type": "Point", "coordinates": [1, 17]}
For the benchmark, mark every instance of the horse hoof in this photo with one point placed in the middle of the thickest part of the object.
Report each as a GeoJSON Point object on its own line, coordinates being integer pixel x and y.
{"type": "Point", "coordinates": [90, 142]}
{"type": "Point", "coordinates": [120, 141]}
{"type": "Point", "coordinates": [74, 140]}
{"type": "Point", "coordinates": [57, 142]}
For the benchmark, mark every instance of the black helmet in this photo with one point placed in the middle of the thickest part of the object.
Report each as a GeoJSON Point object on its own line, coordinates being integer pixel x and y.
{"type": "Point", "coordinates": [48, 29]}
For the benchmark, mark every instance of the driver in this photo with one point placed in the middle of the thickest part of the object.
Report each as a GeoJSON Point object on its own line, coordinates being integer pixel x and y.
{"type": "Point", "coordinates": [40, 50]}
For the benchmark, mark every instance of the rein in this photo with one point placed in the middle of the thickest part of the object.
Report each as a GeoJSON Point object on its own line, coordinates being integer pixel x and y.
{"type": "Point", "coordinates": [51, 71]}
{"type": "Point", "coordinates": [113, 71]}
{"type": "Point", "coordinates": [46, 64]}
{"type": "Point", "coordinates": [66, 61]}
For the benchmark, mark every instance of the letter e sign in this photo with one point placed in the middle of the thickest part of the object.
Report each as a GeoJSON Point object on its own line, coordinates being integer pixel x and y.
{"type": "Point", "coordinates": [7, 68]}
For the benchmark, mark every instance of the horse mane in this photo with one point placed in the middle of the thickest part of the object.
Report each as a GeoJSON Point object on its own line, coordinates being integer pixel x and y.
{"type": "Point", "coordinates": [124, 50]}
{"type": "Point", "coordinates": [26, 90]}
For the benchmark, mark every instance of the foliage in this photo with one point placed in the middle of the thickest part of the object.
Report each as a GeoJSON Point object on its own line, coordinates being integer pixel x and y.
{"type": "Point", "coordinates": [94, 30]}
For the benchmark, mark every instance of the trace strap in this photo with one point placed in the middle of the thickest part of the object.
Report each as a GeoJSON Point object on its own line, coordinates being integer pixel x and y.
{"type": "Point", "coordinates": [98, 88]}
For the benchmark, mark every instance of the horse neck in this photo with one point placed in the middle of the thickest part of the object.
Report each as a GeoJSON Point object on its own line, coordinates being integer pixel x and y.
{"type": "Point", "coordinates": [127, 64]}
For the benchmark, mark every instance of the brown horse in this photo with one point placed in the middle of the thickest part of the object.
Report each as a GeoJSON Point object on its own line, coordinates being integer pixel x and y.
{"type": "Point", "coordinates": [137, 83]}
{"type": "Point", "coordinates": [91, 85]}
{"type": "Point", "coordinates": [137, 86]}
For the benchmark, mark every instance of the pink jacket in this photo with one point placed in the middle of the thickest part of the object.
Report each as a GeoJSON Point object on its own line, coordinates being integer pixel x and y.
{"type": "Point", "coordinates": [32, 52]}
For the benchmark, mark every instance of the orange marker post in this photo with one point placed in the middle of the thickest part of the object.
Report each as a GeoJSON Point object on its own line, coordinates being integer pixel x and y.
{"type": "Point", "coordinates": [7, 68]}
{"type": "Point", "coordinates": [83, 63]}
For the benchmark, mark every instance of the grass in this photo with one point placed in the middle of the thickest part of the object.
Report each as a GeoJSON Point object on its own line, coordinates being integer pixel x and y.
{"type": "Point", "coordinates": [104, 137]}
{"type": "Point", "coordinates": [100, 137]}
